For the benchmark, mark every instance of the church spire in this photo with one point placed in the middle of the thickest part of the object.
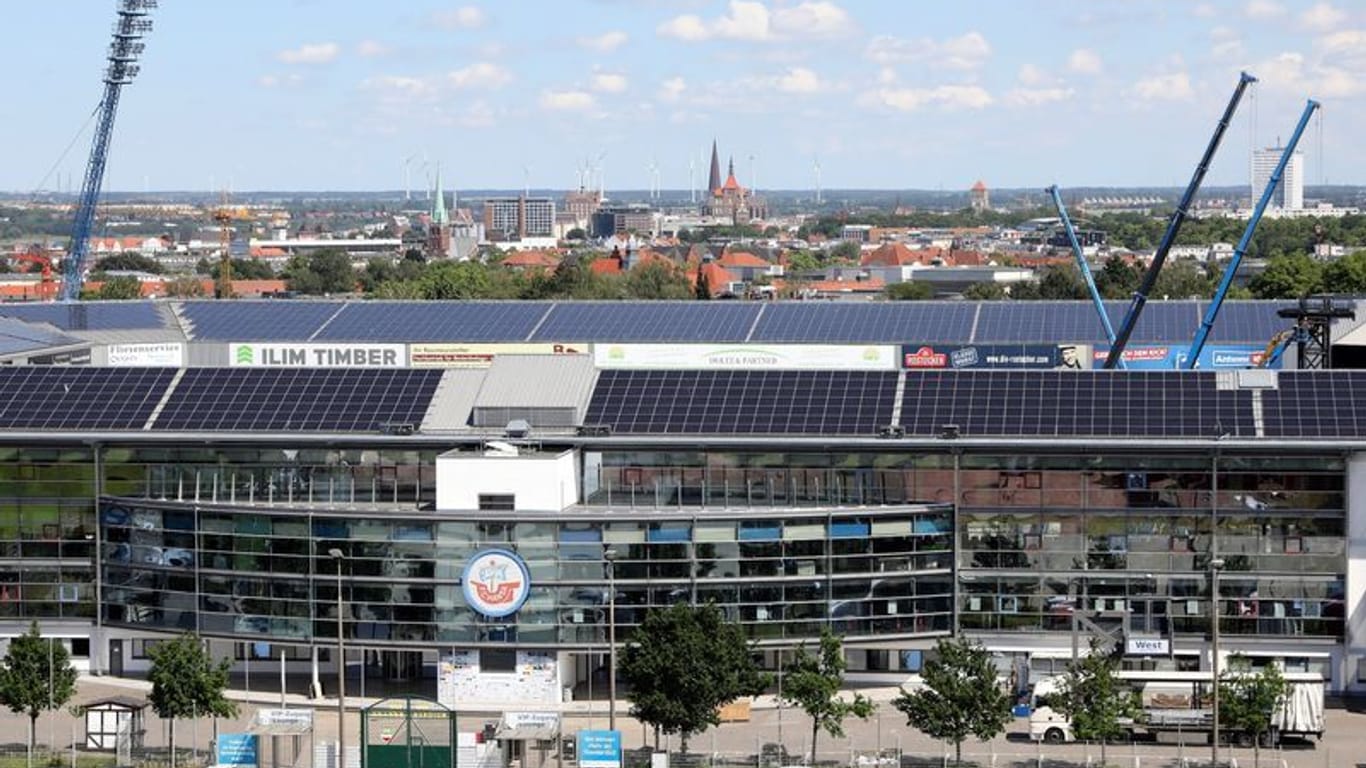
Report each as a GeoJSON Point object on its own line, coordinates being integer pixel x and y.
{"type": "Point", "coordinates": [439, 216]}
{"type": "Point", "coordinates": [714, 182]}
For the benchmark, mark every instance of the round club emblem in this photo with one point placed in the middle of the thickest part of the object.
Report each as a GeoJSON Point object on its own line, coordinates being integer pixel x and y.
{"type": "Point", "coordinates": [496, 583]}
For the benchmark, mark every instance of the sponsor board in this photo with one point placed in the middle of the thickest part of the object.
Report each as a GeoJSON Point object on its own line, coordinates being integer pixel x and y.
{"type": "Point", "coordinates": [1044, 356]}
{"type": "Point", "coordinates": [480, 355]}
{"type": "Point", "coordinates": [746, 356]}
{"type": "Point", "coordinates": [1214, 357]}
{"type": "Point", "coordinates": [599, 749]}
{"type": "Point", "coordinates": [237, 749]}
{"type": "Point", "coordinates": [169, 354]}
{"type": "Point", "coordinates": [308, 355]}
{"type": "Point", "coordinates": [496, 582]}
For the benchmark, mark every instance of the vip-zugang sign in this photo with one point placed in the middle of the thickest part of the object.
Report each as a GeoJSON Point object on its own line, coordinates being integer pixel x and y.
{"type": "Point", "coordinates": [496, 582]}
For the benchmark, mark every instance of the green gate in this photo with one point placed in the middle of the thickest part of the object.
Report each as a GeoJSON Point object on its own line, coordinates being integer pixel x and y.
{"type": "Point", "coordinates": [407, 732]}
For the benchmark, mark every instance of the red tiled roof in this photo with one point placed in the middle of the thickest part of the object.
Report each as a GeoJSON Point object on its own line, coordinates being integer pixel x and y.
{"type": "Point", "coordinates": [531, 259]}
{"type": "Point", "coordinates": [872, 285]}
{"type": "Point", "coordinates": [719, 278]}
{"type": "Point", "coordinates": [896, 255]}
{"type": "Point", "coordinates": [268, 252]}
{"type": "Point", "coordinates": [606, 265]}
{"type": "Point", "coordinates": [741, 259]}
{"type": "Point", "coordinates": [979, 186]}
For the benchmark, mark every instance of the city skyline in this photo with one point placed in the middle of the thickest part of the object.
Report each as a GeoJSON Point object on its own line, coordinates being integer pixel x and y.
{"type": "Point", "coordinates": [312, 95]}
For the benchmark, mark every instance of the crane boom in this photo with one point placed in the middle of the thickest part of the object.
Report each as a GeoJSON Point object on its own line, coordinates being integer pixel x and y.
{"type": "Point", "coordinates": [1126, 327]}
{"type": "Point", "coordinates": [1082, 266]}
{"type": "Point", "coordinates": [1212, 312]}
{"type": "Point", "coordinates": [124, 50]}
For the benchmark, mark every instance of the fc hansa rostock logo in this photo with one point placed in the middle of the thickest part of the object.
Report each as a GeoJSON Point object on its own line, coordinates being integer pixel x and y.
{"type": "Point", "coordinates": [496, 583]}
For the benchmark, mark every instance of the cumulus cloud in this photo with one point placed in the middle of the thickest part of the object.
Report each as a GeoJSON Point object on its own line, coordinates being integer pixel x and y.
{"type": "Point", "coordinates": [371, 48]}
{"type": "Point", "coordinates": [464, 17]}
{"type": "Point", "coordinates": [278, 81]}
{"type": "Point", "coordinates": [400, 87]}
{"type": "Point", "coordinates": [944, 96]}
{"type": "Point", "coordinates": [481, 75]}
{"type": "Point", "coordinates": [754, 21]}
{"type": "Point", "coordinates": [1323, 17]}
{"type": "Point", "coordinates": [1335, 68]}
{"type": "Point", "coordinates": [1084, 61]}
{"type": "Point", "coordinates": [1172, 87]}
{"type": "Point", "coordinates": [1263, 9]}
{"type": "Point", "coordinates": [1204, 11]}
{"type": "Point", "coordinates": [967, 51]}
{"type": "Point", "coordinates": [1032, 75]}
{"type": "Point", "coordinates": [604, 43]}
{"type": "Point", "coordinates": [799, 80]}
{"type": "Point", "coordinates": [567, 101]}
{"type": "Point", "coordinates": [310, 53]}
{"type": "Point", "coordinates": [672, 89]}
{"type": "Point", "coordinates": [1033, 97]}
{"type": "Point", "coordinates": [609, 82]}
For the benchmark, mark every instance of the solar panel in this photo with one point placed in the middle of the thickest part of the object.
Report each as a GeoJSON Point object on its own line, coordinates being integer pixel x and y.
{"type": "Point", "coordinates": [256, 320]}
{"type": "Point", "coordinates": [1074, 404]}
{"type": "Point", "coordinates": [1049, 322]}
{"type": "Point", "coordinates": [1317, 404]}
{"type": "Point", "coordinates": [90, 315]}
{"type": "Point", "coordinates": [743, 402]}
{"type": "Point", "coordinates": [889, 322]}
{"type": "Point", "coordinates": [19, 336]}
{"type": "Point", "coordinates": [47, 398]}
{"type": "Point", "coordinates": [297, 400]}
{"type": "Point", "coordinates": [1249, 322]}
{"type": "Point", "coordinates": [435, 321]}
{"type": "Point", "coordinates": [698, 321]}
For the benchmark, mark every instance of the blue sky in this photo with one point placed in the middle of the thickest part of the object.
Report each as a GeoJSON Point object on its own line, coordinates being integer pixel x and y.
{"type": "Point", "coordinates": [335, 94]}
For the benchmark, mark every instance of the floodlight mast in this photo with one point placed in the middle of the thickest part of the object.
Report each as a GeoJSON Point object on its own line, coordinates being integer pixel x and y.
{"type": "Point", "coordinates": [1126, 328]}
{"type": "Point", "coordinates": [130, 27]}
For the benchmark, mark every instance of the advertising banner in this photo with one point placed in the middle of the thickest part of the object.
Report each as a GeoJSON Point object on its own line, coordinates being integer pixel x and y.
{"type": "Point", "coordinates": [979, 356]}
{"type": "Point", "coordinates": [746, 356]}
{"type": "Point", "coordinates": [599, 749]}
{"type": "Point", "coordinates": [481, 355]}
{"type": "Point", "coordinates": [1214, 357]}
{"type": "Point", "coordinates": [170, 354]}
{"type": "Point", "coordinates": [308, 355]}
{"type": "Point", "coordinates": [237, 749]}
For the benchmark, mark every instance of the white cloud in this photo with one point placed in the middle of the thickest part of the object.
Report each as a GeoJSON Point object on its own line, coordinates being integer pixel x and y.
{"type": "Point", "coordinates": [1337, 68]}
{"type": "Point", "coordinates": [1033, 97]}
{"type": "Point", "coordinates": [1346, 40]}
{"type": "Point", "coordinates": [1263, 9]}
{"type": "Point", "coordinates": [753, 21]}
{"type": "Point", "coordinates": [476, 115]}
{"type": "Point", "coordinates": [1204, 11]}
{"type": "Point", "coordinates": [1323, 17]}
{"type": "Point", "coordinates": [609, 82]}
{"type": "Point", "coordinates": [1084, 61]}
{"type": "Point", "coordinates": [967, 51]}
{"type": "Point", "coordinates": [569, 101]}
{"type": "Point", "coordinates": [310, 53]}
{"type": "Point", "coordinates": [464, 17]}
{"type": "Point", "coordinates": [371, 48]}
{"type": "Point", "coordinates": [1173, 87]}
{"type": "Point", "coordinates": [400, 87]}
{"type": "Point", "coordinates": [800, 80]}
{"type": "Point", "coordinates": [946, 96]}
{"type": "Point", "coordinates": [277, 81]}
{"type": "Point", "coordinates": [604, 43]}
{"type": "Point", "coordinates": [672, 89]}
{"type": "Point", "coordinates": [481, 74]}
{"type": "Point", "coordinates": [1032, 75]}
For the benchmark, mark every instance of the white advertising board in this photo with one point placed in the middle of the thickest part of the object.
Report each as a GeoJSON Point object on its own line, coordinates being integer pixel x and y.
{"type": "Point", "coordinates": [170, 354]}
{"type": "Point", "coordinates": [747, 356]}
{"type": "Point", "coordinates": [1147, 646]}
{"type": "Point", "coordinates": [307, 355]}
{"type": "Point", "coordinates": [480, 355]}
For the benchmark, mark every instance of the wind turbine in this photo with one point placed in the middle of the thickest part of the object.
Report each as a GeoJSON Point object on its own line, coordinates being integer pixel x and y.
{"type": "Point", "coordinates": [816, 162]}
{"type": "Point", "coordinates": [653, 168]}
{"type": "Point", "coordinates": [692, 180]}
{"type": "Point", "coordinates": [526, 181]}
{"type": "Point", "coordinates": [407, 176]}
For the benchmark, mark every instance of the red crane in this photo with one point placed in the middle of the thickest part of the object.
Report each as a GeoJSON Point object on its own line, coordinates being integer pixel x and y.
{"type": "Point", "coordinates": [47, 286]}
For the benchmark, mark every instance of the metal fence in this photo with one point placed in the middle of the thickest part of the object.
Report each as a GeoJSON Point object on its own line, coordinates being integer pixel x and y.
{"type": "Point", "coordinates": [892, 758]}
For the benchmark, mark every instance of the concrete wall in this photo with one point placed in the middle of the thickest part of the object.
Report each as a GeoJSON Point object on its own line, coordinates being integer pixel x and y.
{"type": "Point", "coordinates": [539, 481]}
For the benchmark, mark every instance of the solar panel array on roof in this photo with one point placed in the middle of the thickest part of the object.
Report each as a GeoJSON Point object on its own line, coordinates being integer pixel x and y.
{"type": "Point", "coordinates": [1248, 321]}
{"type": "Point", "coordinates": [295, 400]}
{"type": "Point", "coordinates": [700, 321]}
{"type": "Point", "coordinates": [1318, 404]}
{"type": "Point", "coordinates": [19, 336]}
{"type": "Point", "coordinates": [46, 398]}
{"type": "Point", "coordinates": [1074, 403]}
{"type": "Point", "coordinates": [743, 402]}
{"type": "Point", "coordinates": [891, 323]}
{"type": "Point", "coordinates": [256, 320]}
{"type": "Point", "coordinates": [90, 315]}
{"type": "Point", "coordinates": [435, 321]}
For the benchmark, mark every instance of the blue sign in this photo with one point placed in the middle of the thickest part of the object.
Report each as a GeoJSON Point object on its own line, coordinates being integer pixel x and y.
{"type": "Point", "coordinates": [599, 749]}
{"type": "Point", "coordinates": [496, 582]}
{"type": "Point", "coordinates": [1214, 357]}
{"type": "Point", "coordinates": [237, 749]}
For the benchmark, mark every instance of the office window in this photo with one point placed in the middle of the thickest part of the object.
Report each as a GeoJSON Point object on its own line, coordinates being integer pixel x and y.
{"type": "Point", "coordinates": [497, 502]}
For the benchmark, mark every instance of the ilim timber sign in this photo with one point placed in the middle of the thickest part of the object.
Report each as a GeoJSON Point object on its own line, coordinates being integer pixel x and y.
{"type": "Point", "coordinates": [317, 355]}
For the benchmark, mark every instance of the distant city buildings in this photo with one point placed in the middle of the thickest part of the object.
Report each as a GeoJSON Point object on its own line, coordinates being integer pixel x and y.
{"type": "Point", "coordinates": [1289, 194]}
{"type": "Point", "coordinates": [728, 199]}
{"type": "Point", "coordinates": [635, 218]}
{"type": "Point", "coordinates": [518, 218]}
{"type": "Point", "coordinates": [979, 198]}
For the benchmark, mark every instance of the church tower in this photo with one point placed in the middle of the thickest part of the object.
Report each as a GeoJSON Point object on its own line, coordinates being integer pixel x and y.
{"type": "Point", "coordinates": [714, 182]}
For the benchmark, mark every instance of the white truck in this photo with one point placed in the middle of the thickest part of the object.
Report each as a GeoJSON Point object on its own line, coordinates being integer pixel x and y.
{"type": "Point", "coordinates": [1179, 702]}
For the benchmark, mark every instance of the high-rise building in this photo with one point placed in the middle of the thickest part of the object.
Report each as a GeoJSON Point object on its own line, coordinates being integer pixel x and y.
{"type": "Point", "coordinates": [1289, 192]}
{"type": "Point", "coordinates": [978, 197]}
{"type": "Point", "coordinates": [514, 218]}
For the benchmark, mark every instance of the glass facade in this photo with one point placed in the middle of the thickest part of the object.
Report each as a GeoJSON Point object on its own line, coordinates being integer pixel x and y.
{"type": "Point", "coordinates": [47, 533]}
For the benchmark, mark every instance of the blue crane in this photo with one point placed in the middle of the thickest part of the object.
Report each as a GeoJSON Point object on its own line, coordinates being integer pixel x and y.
{"type": "Point", "coordinates": [1126, 328]}
{"type": "Point", "coordinates": [124, 50]}
{"type": "Point", "coordinates": [1085, 268]}
{"type": "Point", "coordinates": [1212, 312]}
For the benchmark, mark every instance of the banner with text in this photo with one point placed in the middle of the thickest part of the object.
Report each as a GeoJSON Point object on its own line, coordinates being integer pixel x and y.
{"type": "Point", "coordinates": [746, 356]}
{"type": "Point", "coordinates": [237, 750]}
{"type": "Point", "coordinates": [1214, 357]}
{"type": "Point", "coordinates": [978, 356]}
{"type": "Point", "coordinates": [599, 749]}
{"type": "Point", "coordinates": [308, 355]}
{"type": "Point", "coordinates": [169, 354]}
{"type": "Point", "coordinates": [481, 355]}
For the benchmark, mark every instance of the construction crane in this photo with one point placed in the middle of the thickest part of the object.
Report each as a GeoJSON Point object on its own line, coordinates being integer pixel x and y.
{"type": "Point", "coordinates": [224, 216]}
{"type": "Point", "coordinates": [1212, 312]}
{"type": "Point", "coordinates": [47, 285]}
{"type": "Point", "coordinates": [1126, 328]}
{"type": "Point", "coordinates": [1082, 266]}
{"type": "Point", "coordinates": [127, 45]}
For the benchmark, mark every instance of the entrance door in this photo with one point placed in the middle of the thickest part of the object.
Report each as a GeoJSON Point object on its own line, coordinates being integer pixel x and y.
{"type": "Point", "coordinates": [116, 658]}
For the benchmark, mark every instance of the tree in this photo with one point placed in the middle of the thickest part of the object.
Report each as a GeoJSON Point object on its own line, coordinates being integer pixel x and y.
{"type": "Point", "coordinates": [185, 287]}
{"type": "Point", "coordinates": [910, 291]}
{"type": "Point", "coordinates": [812, 682]}
{"type": "Point", "coordinates": [324, 272]}
{"type": "Point", "coordinates": [1183, 279]}
{"type": "Point", "coordinates": [122, 287]}
{"type": "Point", "coordinates": [1095, 700]}
{"type": "Point", "coordinates": [129, 261]}
{"type": "Point", "coordinates": [1248, 701]}
{"type": "Point", "coordinates": [1056, 282]}
{"type": "Point", "coordinates": [576, 233]}
{"type": "Point", "coordinates": [1288, 277]}
{"type": "Point", "coordinates": [847, 251]}
{"type": "Point", "coordinates": [961, 697]}
{"type": "Point", "coordinates": [657, 280]}
{"type": "Point", "coordinates": [36, 675]}
{"type": "Point", "coordinates": [187, 683]}
{"type": "Point", "coordinates": [1118, 279]}
{"type": "Point", "coordinates": [1347, 274]}
{"type": "Point", "coordinates": [684, 663]}
{"type": "Point", "coordinates": [456, 280]}
{"type": "Point", "coordinates": [703, 285]}
{"type": "Point", "coordinates": [985, 292]}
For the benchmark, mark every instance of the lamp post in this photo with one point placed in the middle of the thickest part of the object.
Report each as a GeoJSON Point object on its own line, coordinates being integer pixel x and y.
{"type": "Point", "coordinates": [610, 556]}
{"type": "Point", "coordinates": [1215, 566]}
{"type": "Point", "coordinates": [338, 557]}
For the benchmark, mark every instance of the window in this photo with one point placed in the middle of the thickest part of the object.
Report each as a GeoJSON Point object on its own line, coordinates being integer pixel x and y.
{"type": "Point", "coordinates": [497, 661]}
{"type": "Point", "coordinates": [141, 647]}
{"type": "Point", "coordinates": [80, 647]}
{"type": "Point", "coordinates": [497, 502]}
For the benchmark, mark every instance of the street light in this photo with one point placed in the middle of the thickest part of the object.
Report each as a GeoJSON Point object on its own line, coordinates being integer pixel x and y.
{"type": "Point", "coordinates": [338, 557]}
{"type": "Point", "coordinates": [1215, 566]}
{"type": "Point", "coordinates": [610, 556]}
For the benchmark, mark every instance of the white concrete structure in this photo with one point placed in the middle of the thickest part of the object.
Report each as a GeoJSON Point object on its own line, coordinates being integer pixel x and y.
{"type": "Point", "coordinates": [1290, 191]}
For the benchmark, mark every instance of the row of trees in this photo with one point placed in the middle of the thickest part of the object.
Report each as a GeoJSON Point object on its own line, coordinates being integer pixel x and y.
{"type": "Point", "coordinates": [36, 675]}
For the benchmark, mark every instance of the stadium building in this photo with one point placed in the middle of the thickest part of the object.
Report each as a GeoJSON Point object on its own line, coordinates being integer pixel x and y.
{"type": "Point", "coordinates": [488, 484]}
